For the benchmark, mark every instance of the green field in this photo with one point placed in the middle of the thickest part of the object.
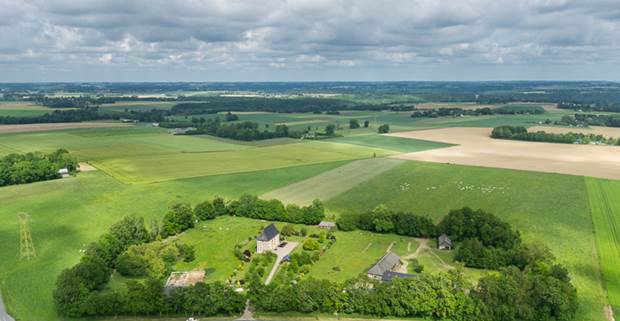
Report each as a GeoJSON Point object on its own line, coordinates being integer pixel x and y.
{"type": "Point", "coordinates": [67, 214]}
{"type": "Point", "coordinates": [331, 183]}
{"type": "Point", "coordinates": [549, 208]}
{"type": "Point", "coordinates": [153, 168]}
{"type": "Point", "coordinates": [605, 205]}
{"type": "Point", "coordinates": [22, 109]}
{"type": "Point", "coordinates": [398, 144]}
{"type": "Point", "coordinates": [137, 105]}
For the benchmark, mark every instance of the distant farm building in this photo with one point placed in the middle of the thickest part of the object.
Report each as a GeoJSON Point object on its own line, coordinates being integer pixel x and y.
{"type": "Point", "coordinates": [63, 172]}
{"type": "Point", "coordinates": [183, 279]}
{"type": "Point", "coordinates": [444, 242]}
{"type": "Point", "coordinates": [182, 131]}
{"type": "Point", "coordinates": [388, 263]}
{"type": "Point", "coordinates": [327, 225]}
{"type": "Point", "coordinates": [268, 240]}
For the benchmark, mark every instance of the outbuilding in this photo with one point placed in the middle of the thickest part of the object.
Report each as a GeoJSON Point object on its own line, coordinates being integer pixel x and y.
{"type": "Point", "coordinates": [388, 263]}
{"type": "Point", "coordinates": [63, 172]}
{"type": "Point", "coordinates": [444, 242]}
{"type": "Point", "coordinates": [327, 225]}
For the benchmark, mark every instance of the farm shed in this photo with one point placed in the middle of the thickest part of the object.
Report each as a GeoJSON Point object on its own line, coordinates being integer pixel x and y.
{"type": "Point", "coordinates": [327, 225]}
{"type": "Point", "coordinates": [63, 172]}
{"type": "Point", "coordinates": [444, 242]}
{"type": "Point", "coordinates": [268, 240]}
{"type": "Point", "coordinates": [389, 262]}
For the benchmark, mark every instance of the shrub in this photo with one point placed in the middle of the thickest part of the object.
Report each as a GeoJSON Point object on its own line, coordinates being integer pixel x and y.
{"type": "Point", "coordinates": [311, 245]}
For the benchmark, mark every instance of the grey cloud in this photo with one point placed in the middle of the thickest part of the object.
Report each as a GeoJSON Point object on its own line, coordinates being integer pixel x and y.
{"type": "Point", "coordinates": [242, 36]}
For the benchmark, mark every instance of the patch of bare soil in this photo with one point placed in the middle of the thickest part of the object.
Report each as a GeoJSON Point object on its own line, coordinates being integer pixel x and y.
{"type": "Point", "coordinates": [56, 126]}
{"type": "Point", "coordinates": [86, 167]}
{"type": "Point", "coordinates": [609, 313]}
{"type": "Point", "coordinates": [476, 147]}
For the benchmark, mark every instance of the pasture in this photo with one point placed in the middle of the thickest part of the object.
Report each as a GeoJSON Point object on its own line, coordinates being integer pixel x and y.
{"type": "Point", "coordinates": [548, 208]}
{"type": "Point", "coordinates": [69, 213]}
{"type": "Point", "coordinates": [605, 205]}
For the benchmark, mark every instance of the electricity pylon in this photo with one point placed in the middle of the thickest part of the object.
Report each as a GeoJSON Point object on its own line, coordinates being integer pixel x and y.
{"type": "Point", "coordinates": [26, 247]}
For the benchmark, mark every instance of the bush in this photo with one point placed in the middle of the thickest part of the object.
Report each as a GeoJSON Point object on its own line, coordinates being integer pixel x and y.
{"type": "Point", "coordinates": [383, 129]}
{"type": "Point", "coordinates": [179, 218]}
{"type": "Point", "coordinates": [311, 245]}
{"type": "Point", "coordinates": [288, 230]}
{"type": "Point", "coordinates": [205, 211]}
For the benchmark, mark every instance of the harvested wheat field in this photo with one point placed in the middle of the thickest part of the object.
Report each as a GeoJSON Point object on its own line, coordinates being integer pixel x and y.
{"type": "Point", "coordinates": [476, 147]}
{"type": "Point", "coordinates": [56, 126]}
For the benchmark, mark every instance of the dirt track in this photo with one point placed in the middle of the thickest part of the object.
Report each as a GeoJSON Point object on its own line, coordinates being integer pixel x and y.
{"type": "Point", "coordinates": [56, 126]}
{"type": "Point", "coordinates": [477, 148]}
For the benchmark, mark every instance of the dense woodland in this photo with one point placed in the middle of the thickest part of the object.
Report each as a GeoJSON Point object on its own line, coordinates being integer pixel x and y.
{"type": "Point", "coordinates": [534, 287]}
{"type": "Point", "coordinates": [521, 133]}
{"type": "Point", "coordinates": [34, 167]}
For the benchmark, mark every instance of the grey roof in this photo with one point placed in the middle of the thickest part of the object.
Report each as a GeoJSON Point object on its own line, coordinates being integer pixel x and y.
{"type": "Point", "coordinates": [268, 233]}
{"type": "Point", "coordinates": [385, 264]}
{"type": "Point", "coordinates": [389, 275]}
{"type": "Point", "coordinates": [444, 240]}
{"type": "Point", "coordinates": [327, 224]}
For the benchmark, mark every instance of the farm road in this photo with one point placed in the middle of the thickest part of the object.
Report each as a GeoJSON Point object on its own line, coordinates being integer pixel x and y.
{"type": "Point", "coordinates": [4, 316]}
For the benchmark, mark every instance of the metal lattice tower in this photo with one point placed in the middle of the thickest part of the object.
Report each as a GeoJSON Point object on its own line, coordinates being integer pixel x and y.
{"type": "Point", "coordinates": [26, 247]}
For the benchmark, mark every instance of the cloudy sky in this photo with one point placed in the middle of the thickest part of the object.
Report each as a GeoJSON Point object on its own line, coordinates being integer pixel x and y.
{"type": "Point", "coordinates": [247, 40]}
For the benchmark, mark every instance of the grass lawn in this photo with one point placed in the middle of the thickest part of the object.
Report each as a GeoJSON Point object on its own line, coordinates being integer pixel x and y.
{"type": "Point", "coordinates": [550, 208]}
{"type": "Point", "coordinates": [214, 242]}
{"type": "Point", "coordinates": [355, 252]}
{"type": "Point", "coordinates": [153, 168]}
{"type": "Point", "coordinates": [604, 198]}
{"type": "Point", "coordinates": [69, 213]}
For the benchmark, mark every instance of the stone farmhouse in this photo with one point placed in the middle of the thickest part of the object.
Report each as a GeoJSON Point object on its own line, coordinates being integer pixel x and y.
{"type": "Point", "coordinates": [268, 240]}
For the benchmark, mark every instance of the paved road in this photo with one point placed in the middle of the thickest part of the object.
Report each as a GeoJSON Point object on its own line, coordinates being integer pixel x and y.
{"type": "Point", "coordinates": [281, 252]}
{"type": "Point", "coordinates": [4, 316]}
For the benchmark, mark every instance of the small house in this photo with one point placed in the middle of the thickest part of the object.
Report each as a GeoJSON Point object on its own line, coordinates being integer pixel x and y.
{"type": "Point", "coordinates": [63, 172]}
{"type": "Point", "coordinates": [444, 242]}
{"type": "Point", "coordinates": [388, 263]}
{"type": "Point", "coordinates": [268, 240]}
{"type": "Point", "coordinates": [327, 225]}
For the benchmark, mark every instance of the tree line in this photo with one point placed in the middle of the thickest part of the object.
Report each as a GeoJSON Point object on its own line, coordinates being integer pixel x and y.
{"type": "Point", "coordinates": [503, 110]}
{"type": "Point", "coordinates": [35, 167]}
{"type": "Point", "coordinates": [85, 114]}
{"type": "Point", "coordinates": [521, 133]}
{"type": "Point", "coordinates": [585, 120]}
